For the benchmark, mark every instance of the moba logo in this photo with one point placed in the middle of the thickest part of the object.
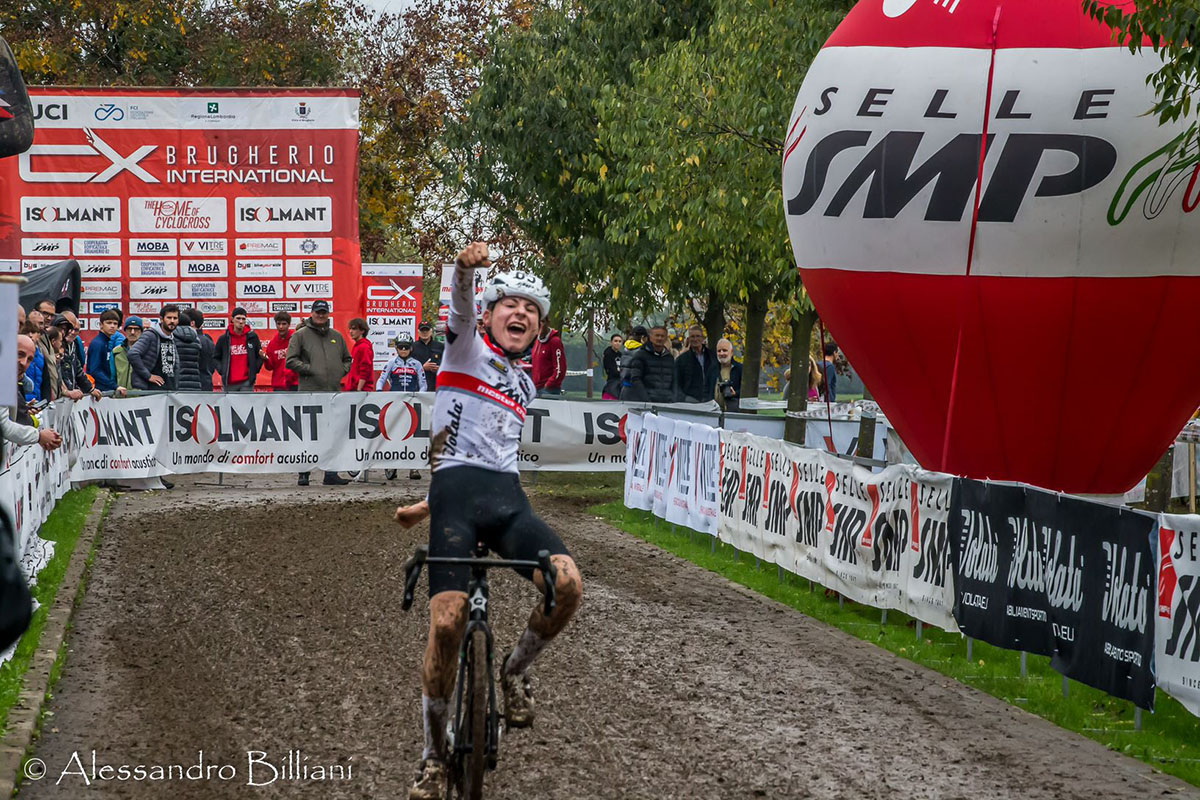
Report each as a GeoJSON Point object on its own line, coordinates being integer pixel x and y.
{"type": "Point", "coordinates": [151, 247]}
{"type": "Point", "coordinates": [47, 154]}
{"type": "Point", "coordinates": [258, 289]}
{"type": "Point", "coordinates": [203, 268]}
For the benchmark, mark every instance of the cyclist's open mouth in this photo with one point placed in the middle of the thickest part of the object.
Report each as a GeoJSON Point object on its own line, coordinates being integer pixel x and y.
{"type": "Point", "coordinates": [516, 329]}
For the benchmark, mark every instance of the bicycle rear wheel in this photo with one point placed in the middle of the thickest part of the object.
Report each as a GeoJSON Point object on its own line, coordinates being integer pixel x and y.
{"type": "Point", "coordinates": [475, 761]}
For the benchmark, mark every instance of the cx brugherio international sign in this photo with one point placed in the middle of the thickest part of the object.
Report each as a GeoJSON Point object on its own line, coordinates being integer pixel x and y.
{"type": "Point", "coordinates": [983, 179]}
{"type": "Point", "coordinates": [239, 197]}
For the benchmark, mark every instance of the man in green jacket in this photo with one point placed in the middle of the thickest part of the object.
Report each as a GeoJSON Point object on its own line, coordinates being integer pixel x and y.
{"type": "Point", "coordinates": [318, 354]}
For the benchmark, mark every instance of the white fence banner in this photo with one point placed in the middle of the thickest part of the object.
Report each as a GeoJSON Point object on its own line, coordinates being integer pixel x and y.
{"type": "Point", "coordinates": [152, 435]}
{"type": "Point", "coordinates": [879, 539]}
{"type": "Point", "coordinates": [706, 504]}
{"type": "Point", "coordinates": [661, 462]}
{"type": "Point", "coordinates": [1177, 624]}
{"type": "Point", "coordinates": [637, 461]}
{"type": "Point", "coordinates": [680, 489]}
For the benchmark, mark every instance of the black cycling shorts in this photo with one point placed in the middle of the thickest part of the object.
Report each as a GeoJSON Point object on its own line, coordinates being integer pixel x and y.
{"type": "Point", "coordinates": [469, 505]}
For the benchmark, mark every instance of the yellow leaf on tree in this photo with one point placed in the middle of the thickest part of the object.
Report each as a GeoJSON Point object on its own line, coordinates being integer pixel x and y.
{"type": "Point", "coordinates": [604, 172]}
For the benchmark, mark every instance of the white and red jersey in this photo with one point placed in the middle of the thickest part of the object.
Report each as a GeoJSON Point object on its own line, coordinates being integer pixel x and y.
{"type": "Point", "coordinates": [481, 397]}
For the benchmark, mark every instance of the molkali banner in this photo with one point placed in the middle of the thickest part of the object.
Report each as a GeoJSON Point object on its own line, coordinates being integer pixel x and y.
{"type": "Point", "coordinates": [212, 198]}
{"type": "Point", "coordinates": [880, 539]}
{"type": "Point", "coordinates": [298, 431]}
{"type": "Point", "coordinates": [1058, 576]}
{"type": "Point", "coordinates": [1177, 628]}
{"type": "Point", "coordinates": [393, 305]}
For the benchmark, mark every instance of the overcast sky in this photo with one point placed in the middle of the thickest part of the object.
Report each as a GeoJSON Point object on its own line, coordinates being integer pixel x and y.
{"type": "Point", "coordinates": [393, 6]}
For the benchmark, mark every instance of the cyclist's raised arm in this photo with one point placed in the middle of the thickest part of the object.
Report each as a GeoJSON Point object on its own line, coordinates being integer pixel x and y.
{"type": "Point", "coordinates": [461, 319]}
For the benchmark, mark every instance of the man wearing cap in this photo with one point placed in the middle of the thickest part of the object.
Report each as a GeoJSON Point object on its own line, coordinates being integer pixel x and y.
{"type": "Point", "coordinates": [76, 381]}
{"type": "Point", "coordinates": [239, 355]}
{"type": "Point", "coordinates": [319, 356]}
{"type": "Point", "coordinates": [429, 352]}
{"type": "Point", "coordinates": [132, 330]}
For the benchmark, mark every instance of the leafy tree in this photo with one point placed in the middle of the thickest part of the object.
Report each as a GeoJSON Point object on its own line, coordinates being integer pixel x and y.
{"type": "Point", "coordinates": [696, 140]}
{"type": "Point", "coordinates": [527, 145]}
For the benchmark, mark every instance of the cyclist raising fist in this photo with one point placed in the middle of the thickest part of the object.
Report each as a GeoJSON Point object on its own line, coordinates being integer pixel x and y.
{"type": "Point", "coordinates": [475, 493]}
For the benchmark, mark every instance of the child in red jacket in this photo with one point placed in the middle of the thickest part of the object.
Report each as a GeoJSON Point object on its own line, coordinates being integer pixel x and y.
{"type": "Point", "coordinates": [275, 356]}
{"type": "Point", "coordinates": [361, 377]}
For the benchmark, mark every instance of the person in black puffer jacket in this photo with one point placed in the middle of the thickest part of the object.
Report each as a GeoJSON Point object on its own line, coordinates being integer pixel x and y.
{"type": "Point", "coordinates": [650, 376]}
{"type": "Point", "coordinates": [195, 318]}
{"type": "Point", "coordinates": [187, 345]}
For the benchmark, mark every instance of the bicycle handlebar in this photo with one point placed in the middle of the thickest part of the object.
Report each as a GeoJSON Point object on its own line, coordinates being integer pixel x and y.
{"type": "Point", "coordinates": [419, 558]}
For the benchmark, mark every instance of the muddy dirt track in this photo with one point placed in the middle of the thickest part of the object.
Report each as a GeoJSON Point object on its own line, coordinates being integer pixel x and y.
{"type": "Point", "coordinates": [268, 619]}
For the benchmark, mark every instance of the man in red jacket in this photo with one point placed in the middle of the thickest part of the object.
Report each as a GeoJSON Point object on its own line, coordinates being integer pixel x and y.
{"type": "Point", "coordinates": [549, 362]}
{"type": "Point", "coordinates": [275, 356]}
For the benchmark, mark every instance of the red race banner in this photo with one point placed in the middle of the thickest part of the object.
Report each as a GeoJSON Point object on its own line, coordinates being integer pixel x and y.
{"type": "Point", "coordinates": [210, 198]}
{"type": "Point", "coordinates": [393, 305]}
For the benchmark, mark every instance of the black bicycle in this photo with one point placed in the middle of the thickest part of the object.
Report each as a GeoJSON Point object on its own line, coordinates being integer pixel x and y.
{"type": "Point", "coordinates": [475, 730]}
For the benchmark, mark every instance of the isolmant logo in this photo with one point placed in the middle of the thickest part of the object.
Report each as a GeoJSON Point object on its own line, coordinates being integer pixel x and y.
{"type": "Point", "coordinates": [254, 214]}
{"type": "Point", "coordinates": [98, 214]}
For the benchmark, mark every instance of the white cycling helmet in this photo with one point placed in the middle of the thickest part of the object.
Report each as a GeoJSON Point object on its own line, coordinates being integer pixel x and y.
{"type": "Point", "coordinates": [518, 283]}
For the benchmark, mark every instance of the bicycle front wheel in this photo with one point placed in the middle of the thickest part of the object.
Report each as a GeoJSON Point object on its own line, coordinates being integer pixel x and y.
{"type": "Point", "coordinates": [475, 760]}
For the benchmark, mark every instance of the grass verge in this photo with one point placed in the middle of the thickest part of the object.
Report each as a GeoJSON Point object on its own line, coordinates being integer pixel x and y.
{"type": "Point", "coordinates": [1169, 740]}
{"type": "Point", "coordinates": [64, 528]}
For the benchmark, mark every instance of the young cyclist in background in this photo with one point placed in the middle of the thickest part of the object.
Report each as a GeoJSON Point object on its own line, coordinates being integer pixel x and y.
{"type": "Point", "coordinates": [475, 494]}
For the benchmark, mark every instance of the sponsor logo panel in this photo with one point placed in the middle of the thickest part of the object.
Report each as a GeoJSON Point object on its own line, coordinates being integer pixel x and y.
{"type": "Point", "coordinates": [45, 247]}
{"type": "Point", "coordinates": [159, 290]}
{"type": "Point", "coordinates": [144, 307]}
{"type": "Point", "coordinates": [260, 323]}
{"type": "Point", "coordinates": [213, 307]}
{"type": "Point", "coordinates": [315, 289]}
{"type": "Point", "coordinates": [260, 247]}
{"type": "Point", "coordinates": [96, 247]}
{"type": "Point", "coordinates": [216, 323]}
{"type": "Point", "coordinates": [35, 263]}
{"type": "Point", "coordinates": [266, 289]}
{"type": "Point", "coordinates": [290, 306]}
{"type": "Point", "coordinates": [196, 290]}
{"type": "Point", "coordinates": [266, 214]}
{"type": "Point", "coordinates": [100, 290]}
{"type": "Point", "coordinates": [309, 246]}
{"type": "Point", "coordinates": [206, 268]}
{"type": "Point", "coordinates": [259, 268]}
{"type": "Point", "coordinates": [306, 306]}
{"type": "Point", "coordinates": [100, 308]}
{"type": "Point", "coordinates": [198, 248]}
{"type": "Point", "coordinates": [310, 267]}
{"type": "Point", "coordinates": [77, 214]}
{"type": "Point", "coordinates": [254, 306]}
{"type": "Point", "coordinates": [178, 214]}
{"type": "Point", "coordinates": [100, 269]}
{"type": "Point", "coordinates": [152, 247]}
{"type": "Point", "coordinates": [153, 268]}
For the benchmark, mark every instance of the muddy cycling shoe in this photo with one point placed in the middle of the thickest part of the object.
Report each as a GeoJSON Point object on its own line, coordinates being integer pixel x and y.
{"type": "Point", "coordinates": [431, 781]}
{"type": "Point", "coordinates": [518, 700]}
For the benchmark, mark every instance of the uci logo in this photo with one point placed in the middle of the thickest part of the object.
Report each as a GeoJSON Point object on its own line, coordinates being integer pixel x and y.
{"type": "Point", "coordinates": [55, 111]}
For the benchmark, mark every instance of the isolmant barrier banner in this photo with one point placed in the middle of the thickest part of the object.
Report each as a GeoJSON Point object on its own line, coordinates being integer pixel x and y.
{"type": "Point", "coordinates": [33, 480]}
{"type": "Point", "coordinates": [1059, 576]}
{"type": "Point", "coordinates": [878, 539]}
{"type": "Point", "coordinates": [1176, 609]}
{"type": "Point", "coordinates": [299, 431]}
